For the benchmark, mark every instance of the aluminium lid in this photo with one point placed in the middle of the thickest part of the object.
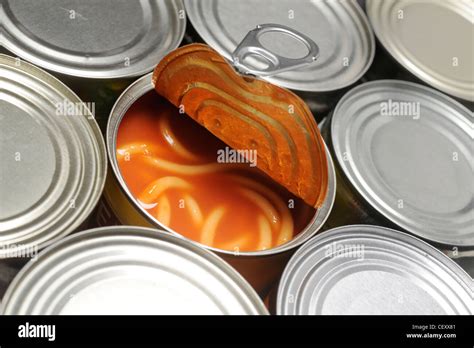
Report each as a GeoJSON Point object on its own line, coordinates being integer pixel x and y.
{"type": "Point", "coordinates": [366, 270]}
{"type": "Point", "coordinates": [434, 40]}
{"type": "Point", "coordinates": [92, 38]}
{"type": "Point", "coordinates": [408, 151]}
{"type": "Point", "coordinates": [129, 270]}
{"type": "Point", "coordinates": [340, 29]}
{"type": "Point", "coordinates": [53, 159]}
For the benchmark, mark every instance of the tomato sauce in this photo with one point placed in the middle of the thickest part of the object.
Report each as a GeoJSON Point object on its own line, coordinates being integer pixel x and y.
{"type": "Point", "coordinates": [170, 165]}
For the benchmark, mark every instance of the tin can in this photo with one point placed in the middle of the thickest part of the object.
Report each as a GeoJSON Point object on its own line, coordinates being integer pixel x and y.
{"type": "Point", "coordinates": [367, 270]}
{"type": "Point", "coordinates": [53, 159]}
{"type": "Point", "coordinates": [129, 270]}
{"type": "Point", "coordinates": [428, 49]}
{"type": "Point", "coordinates": [260, 268]}
{"type": "Point", "coordinates": [403, 160]}
{"type": "Point", "coordinates": [96, 47]}
{"type": "Point", "coordinates": [339, 28]}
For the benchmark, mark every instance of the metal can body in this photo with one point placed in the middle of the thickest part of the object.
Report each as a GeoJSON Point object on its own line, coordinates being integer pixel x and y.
{"type": "Point", "coordinates": [261, 269]}
{"type": "Point", "coordinates": [129, 270]}
{"type": "Point", "coordinates": [55, 159]}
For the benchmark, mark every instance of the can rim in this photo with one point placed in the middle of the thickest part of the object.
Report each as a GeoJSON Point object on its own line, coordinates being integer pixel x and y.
{"type": "Point", "coordinates": [144, 85]}
{"type": "Point", "coordinates": [144, 232]}
{"type": "Point", "coordinates": [375, 232]}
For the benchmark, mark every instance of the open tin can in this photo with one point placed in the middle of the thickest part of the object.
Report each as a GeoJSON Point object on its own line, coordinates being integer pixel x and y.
{"type": "Point", "coordinates": [96, 47]}
{"type": "Point", "coordinates": [371, 270]}
{"type": "Point", "coordinates": [53, 160]}
{"type": "Point", "coordinates": [129, 270]}
{"type": "Point", "coordinates": [261, 268]}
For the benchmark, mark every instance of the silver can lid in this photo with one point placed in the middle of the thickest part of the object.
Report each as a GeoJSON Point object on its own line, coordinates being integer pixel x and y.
{"type": "Point", "coordinates": [432, 39]}
{"type": "Point", "coordinates": [339, 28]}
{"type": "Point", "coordinates": [53, 159]}
{"type": "Point", "coordinates": [362, 269]}
{"type": "Point", "coordinates": [407, 150]}
{"type": "Point", "coordinates": [129, 270]}
{"type": "Point", "coordinates": [93, 38]}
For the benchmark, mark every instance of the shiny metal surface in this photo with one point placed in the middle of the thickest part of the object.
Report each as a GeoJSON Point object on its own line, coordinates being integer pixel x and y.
{"type": "Point", "coordinates": [144, 85]}
{"type": "Point", "coordinates": [363, 269]}
{"type": "Point", "coordinates": [129, 270]}
{"type": "Point", "coordinates": [407, 150]}
{"type": "Point", "coordinates": [53, 159]}
{"type": "Point", "coordinates": [339, 28]}
{"type": "Point", "coordinates": [432, 39]}
{"type": "Point", "coordinates": [92, 38]}
{"type": "Point", "coordinates": [269, 63]}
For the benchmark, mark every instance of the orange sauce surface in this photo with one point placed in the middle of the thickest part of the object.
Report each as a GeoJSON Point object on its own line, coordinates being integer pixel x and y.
{"type": "Point", "coordinates": [170, 164]}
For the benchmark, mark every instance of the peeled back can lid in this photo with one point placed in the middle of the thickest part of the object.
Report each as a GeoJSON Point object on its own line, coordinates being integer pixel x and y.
{"type": "Point", "coordinates": [129, 270]}
{"type": "Point", "coordinates": [339, 28]}
{"type": "Point", "coordinates": [407, 150]}
{"type": "Point", "coordinates": [53, 159]}
{"type": "Point", "coordinates": [92, 38]}
{"type": "Point", "coordinates": [432, 39]}
{"type": "Point", "coordinates": [362, 269]}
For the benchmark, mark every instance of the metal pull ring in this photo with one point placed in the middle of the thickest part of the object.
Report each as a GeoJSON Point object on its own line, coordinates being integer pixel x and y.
{"type": "Point", "coordinates": [250, 46]}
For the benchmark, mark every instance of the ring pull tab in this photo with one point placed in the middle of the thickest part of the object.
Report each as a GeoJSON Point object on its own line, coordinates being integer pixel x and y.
{"type": "Point", "coordinates": [250, 47]}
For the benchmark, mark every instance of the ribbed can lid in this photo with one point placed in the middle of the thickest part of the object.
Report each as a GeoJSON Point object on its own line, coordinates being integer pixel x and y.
{"type": "Point", "coordinates": [95, 38]}
{"type": "Point", "coordinates": [407, 150]}
{"type": "Point", "coordinates": [53, 159]}
{"type": "Point", "coordinates": [362, 269]}
{"type": "Point", "coordinates": [339, 28]}
{"type": "Point", "coordinates": [129, 270]}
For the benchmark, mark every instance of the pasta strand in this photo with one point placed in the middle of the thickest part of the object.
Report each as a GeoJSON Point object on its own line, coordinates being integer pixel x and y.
{"type": "Point", "coordinates": [263, 203]}
{"type": "Point", "coordinates": [210, 225]}
{"type": "Point", "coordinates": [194, 210]}
{"type": "Point", "coordinates": [185, 169]}
{"type": "Point", "coordinates": [157, 187]}
{"type": "Point", "coordinates": [287, 227]}
{"type": "Point", "coordinates": [265, 232]}
{"type": "Point", "coordinates": [173, 141]}
{"type": "Point", "coordinates": [164, 210]}
{"type": "Point", "coordinates": [136, 149]}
